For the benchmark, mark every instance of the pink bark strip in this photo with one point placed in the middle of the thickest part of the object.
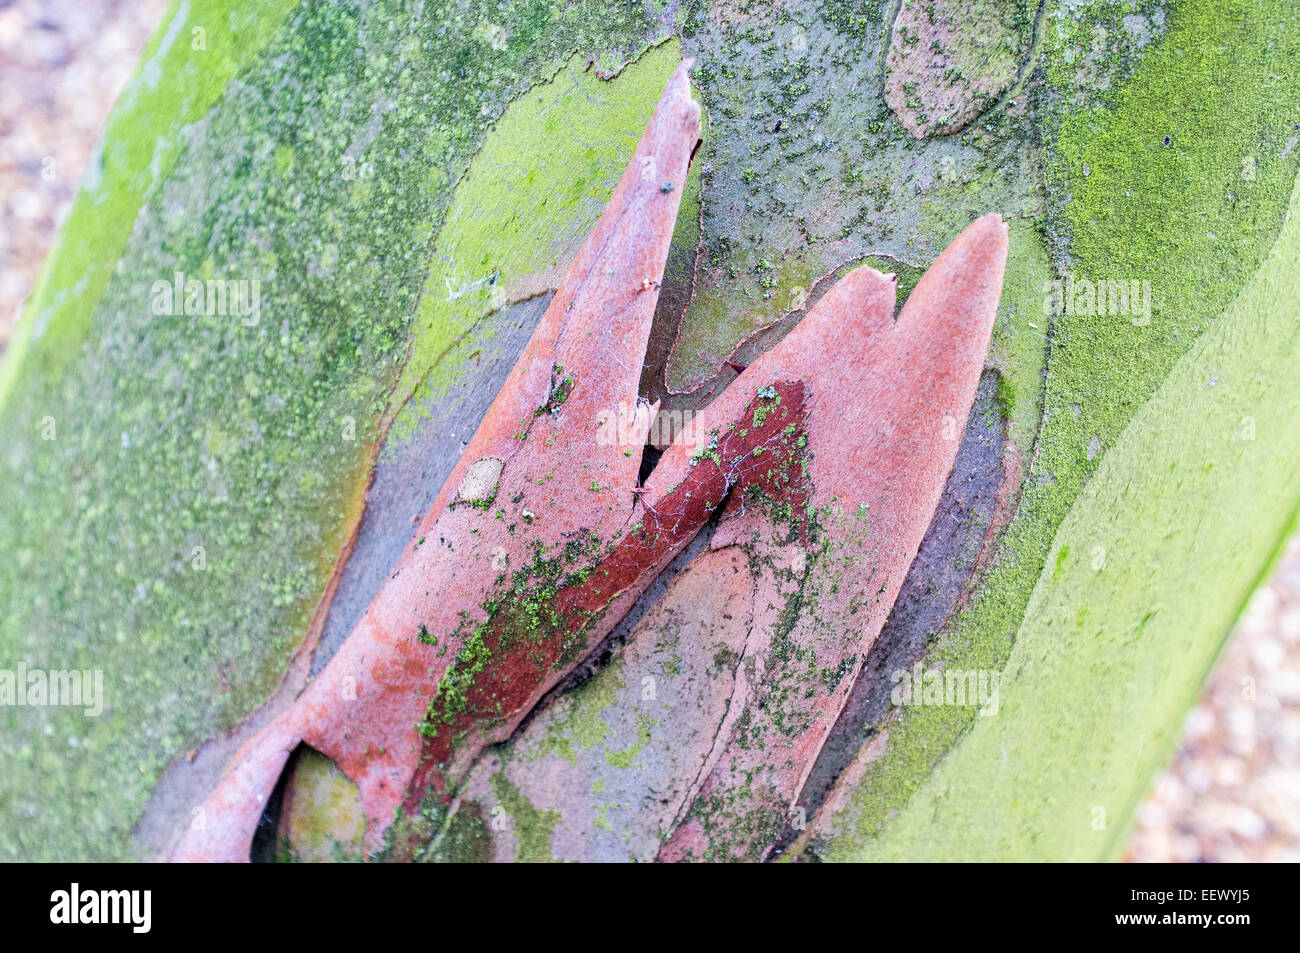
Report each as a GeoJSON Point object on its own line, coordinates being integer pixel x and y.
{"type": "Point", "coordinates": [881, 409]}
{"type": "Point", "coordinates": [883, 443]}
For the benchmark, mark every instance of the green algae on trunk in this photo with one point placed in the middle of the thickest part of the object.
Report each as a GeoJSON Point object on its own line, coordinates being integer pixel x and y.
{"type": "Point", "coordinates": [1113, 81]}
{"type": "Point", "coordinates": [182, 442]}
{"type": "Point", "coordinates": [1105, 665]}
{"type": "Point", "coordinates": [1219, 79]}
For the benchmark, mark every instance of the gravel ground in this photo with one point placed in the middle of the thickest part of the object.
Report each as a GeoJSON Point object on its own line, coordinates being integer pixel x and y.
{"type": "Point", "coordinates": [1233, 791]}
{"type": "Point", "coordinates": [62, 64]}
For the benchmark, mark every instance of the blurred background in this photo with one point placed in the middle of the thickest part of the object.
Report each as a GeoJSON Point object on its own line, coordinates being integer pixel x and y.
{"type": "Point", "coordinates": [1233, 790]}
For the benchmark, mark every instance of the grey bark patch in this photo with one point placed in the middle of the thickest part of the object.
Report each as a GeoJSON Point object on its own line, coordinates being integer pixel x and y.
{"type": "Point", "coordinates": [949, 62]}
{"type": "Point", "coordinates": [480, 480]}
{"type": "Point", "coordinates": [410, 472]}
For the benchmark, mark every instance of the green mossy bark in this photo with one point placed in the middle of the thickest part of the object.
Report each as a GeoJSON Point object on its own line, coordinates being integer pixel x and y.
{"type": "Point", "coordinates": [347, 156]}
{"type": "Point", "coordinates": [1146, 575]}
{"type": "Point", "coordinates": [1221, 82]}
{"type": "Point", "coordinates": [324, 170]}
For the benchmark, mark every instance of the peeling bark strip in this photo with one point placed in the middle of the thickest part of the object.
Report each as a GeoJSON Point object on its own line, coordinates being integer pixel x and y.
{"type": "Point", "coordinates": [884, 434]}
{"type": "Point", "coordinates": [365, 708]}
{"type": "Point", "coordinates": [746, 698]}
{"type": "Point", "coordinates": [542, 622]}
{"type": "Point", "coordinates": [840, 431]}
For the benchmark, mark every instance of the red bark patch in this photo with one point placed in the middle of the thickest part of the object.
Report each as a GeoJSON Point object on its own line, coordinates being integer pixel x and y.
{"type": "Point", "coordinates": [534, 626]}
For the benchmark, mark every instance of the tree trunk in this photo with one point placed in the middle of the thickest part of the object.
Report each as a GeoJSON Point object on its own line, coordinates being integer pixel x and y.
{"type": "Point", "coordinates": [207, 483]}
